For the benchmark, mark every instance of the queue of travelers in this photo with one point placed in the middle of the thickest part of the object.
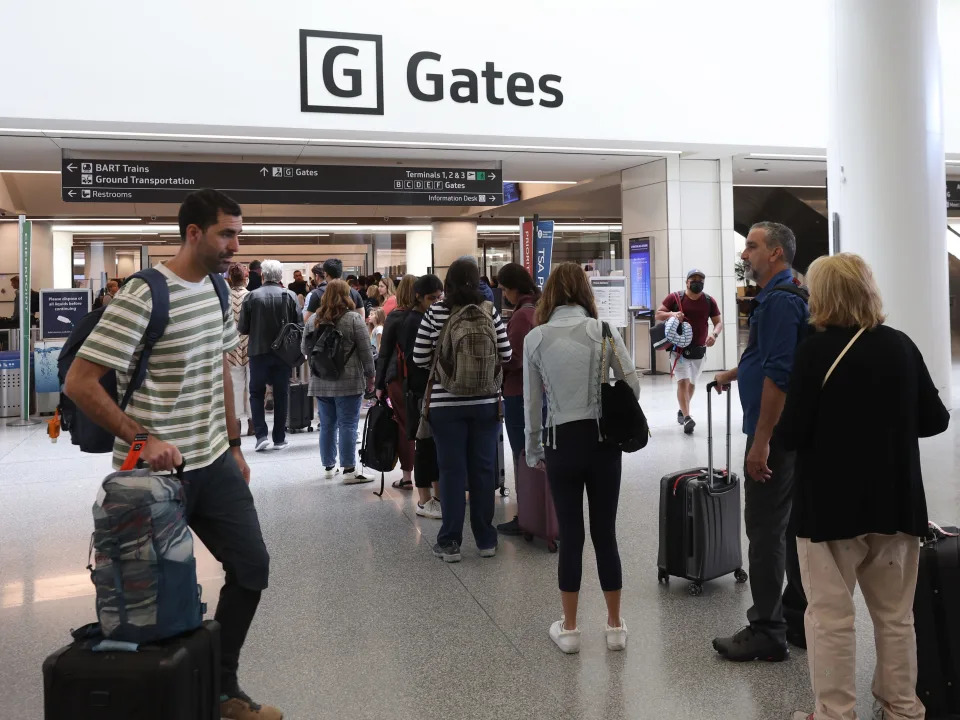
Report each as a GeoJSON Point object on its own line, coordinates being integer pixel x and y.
{"type": "Point", "coordinates": [445, 358]}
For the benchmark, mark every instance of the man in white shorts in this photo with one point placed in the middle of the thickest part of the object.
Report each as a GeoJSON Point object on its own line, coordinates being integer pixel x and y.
{"type": "Point", "coordinates": [695, 307]}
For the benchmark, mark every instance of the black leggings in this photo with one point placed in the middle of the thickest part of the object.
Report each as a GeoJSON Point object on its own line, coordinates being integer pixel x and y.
{"type": "Point", "coordinates": [579, 461]}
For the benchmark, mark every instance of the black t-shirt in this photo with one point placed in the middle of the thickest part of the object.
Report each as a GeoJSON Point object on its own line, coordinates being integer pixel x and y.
{"type": "Point", "coordinates": [298, 287]}
{"type": "Point", "coordinates": [313, 302]}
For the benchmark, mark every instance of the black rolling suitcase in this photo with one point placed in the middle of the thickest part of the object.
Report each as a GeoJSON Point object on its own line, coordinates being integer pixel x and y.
{"type": "Point", "coordinates": [300, 409]}
{"type": "Point", "coordinates": [937, 624]}
{"type": "Point", "coordinates": [175, 679]}
{"type": "Point", "coordinates": [700, 519]}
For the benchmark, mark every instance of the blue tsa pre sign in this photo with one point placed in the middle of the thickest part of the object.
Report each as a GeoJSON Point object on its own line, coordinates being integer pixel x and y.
{"type": "Point", "coordinates": [61, 310]}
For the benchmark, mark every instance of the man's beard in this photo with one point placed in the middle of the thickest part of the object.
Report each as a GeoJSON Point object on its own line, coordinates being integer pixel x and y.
{"type": "Point", "coordinates": [748, 272]}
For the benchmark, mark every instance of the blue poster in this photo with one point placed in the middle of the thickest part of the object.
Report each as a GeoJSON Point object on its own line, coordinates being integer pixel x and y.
{"type": "Point", "coordinates": [61, 310]}
{"type": "Point", "coordinates": [543, 252]}
{"type": "Point", "coordinates": [640, 273]}
{"type": "Point", "coordinates": [45, 356]}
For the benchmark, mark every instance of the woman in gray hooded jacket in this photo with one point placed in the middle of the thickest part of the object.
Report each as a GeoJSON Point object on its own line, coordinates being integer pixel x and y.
{"type": "Point", "coordinates": [563, 356]}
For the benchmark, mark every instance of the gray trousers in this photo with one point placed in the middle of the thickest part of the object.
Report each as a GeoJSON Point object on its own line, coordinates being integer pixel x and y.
{"type": "Point", "coordinates": [773, 548]}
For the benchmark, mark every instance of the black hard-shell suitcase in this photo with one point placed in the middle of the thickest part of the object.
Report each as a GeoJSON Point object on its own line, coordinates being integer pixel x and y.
{"type": "Point", "coordinates": [937, 623]}
{"type": "Point", "coordinates": [176, 679]}
{"type": "Point", "coordinates": [300, 409]}
{"type": "Point", "coordinates": [700, 519]}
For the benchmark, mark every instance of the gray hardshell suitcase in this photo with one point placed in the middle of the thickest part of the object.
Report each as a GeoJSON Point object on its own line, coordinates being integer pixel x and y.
{"type": "Point", "coordinates": [700, 519]}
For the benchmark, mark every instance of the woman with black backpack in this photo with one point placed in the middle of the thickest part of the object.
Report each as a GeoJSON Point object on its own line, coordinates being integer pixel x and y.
{"type": "Point", "coordinates": [463, 341]}
{"type": "Point", "coordinates": [336, 342]}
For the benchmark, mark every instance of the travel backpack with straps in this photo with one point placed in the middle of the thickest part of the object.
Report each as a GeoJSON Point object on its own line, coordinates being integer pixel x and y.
{"type": "Point", "coordinates": [327, 359]}
{"type": "Point", "coordinates": [84, 432]}
{"type": "Point", "coordinates": [380, 449]}
{"type": "Point", "coordinates": [142, 565]}
{"type": "Point", "coordinates": [468, 360]}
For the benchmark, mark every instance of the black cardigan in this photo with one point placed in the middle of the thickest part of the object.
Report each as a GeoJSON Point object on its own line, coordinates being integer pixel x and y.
{"type": "Point", "coordinates": [858, 458]}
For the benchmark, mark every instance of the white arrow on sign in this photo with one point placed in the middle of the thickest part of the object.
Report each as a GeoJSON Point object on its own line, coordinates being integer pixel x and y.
{"type": "Point", "coordinates": [71, 167]}
{"type": "Point", "coordinates": [264, 171]}
{"type": "Point", "coordinates": [71, 193]}
{"type": "Point", "coordinates": [492, 176]}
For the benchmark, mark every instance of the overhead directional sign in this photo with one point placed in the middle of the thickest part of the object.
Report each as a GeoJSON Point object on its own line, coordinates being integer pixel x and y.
{"type": "Point", "coordinates": [158, 181]}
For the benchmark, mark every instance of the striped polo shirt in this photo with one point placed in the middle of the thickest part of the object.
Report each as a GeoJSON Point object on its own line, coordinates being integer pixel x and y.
{"type": "Point", "coordinates": [181, 401]}
{"type": "Point", "coordinates": [426, 343]}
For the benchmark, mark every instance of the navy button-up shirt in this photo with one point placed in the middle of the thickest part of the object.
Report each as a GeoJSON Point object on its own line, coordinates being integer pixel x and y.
{"type": "Point", "coordinates": [778, 322]}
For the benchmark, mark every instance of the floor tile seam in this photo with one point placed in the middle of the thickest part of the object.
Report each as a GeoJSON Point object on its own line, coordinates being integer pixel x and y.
{"type": "Point", "coordinates": [23, 439]}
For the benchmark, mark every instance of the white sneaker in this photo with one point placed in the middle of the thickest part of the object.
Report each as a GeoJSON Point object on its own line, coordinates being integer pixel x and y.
{"type": "Point", "coordinates": [430, 509]}
{"type": "Point", "coordinates": [567, 640]}
{"type": "Point", "coordinates": [617, 636]}
{"type": "Point", "coordinates": [329, 473]}
{"type": "Point", "coordinates": [354, 477]}
{"type": "Point", "coordinates": [262, 445]}
{"type": "Point", "coordinates": [281, 446]}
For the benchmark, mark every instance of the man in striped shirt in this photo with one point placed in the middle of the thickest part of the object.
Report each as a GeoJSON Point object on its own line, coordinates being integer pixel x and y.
{"type": "Point", "coordinates": [185, 406]}
{"type": "Point", "coordinates": [465, 427]}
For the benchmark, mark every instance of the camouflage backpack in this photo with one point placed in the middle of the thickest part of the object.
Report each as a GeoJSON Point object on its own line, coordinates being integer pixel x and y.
{"type": "Point", "coordinates": [144, 570]}
{"type": "Point", "coordinates": [468, 362]}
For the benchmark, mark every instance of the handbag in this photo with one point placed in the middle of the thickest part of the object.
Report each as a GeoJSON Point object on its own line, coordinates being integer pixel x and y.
{"type": "Point", "coordinates": [287, 345]}
{"type": "Point", "coordinates": [840, 356]}
{"type": "Point", "coordinates": [622, 422]}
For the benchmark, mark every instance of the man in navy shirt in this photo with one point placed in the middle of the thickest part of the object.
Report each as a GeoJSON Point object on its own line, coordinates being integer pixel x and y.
{"type": "Point", "coordinates": [778, 322]}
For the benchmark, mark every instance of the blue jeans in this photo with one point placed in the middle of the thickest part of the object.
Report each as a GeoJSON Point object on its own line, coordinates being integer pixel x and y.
{"type": "Point", "coordinates": [339, 416]}
{"type": "Point", "coordinates": [466, 438]}
{"type": "Point", "coordinates": [270, 370]}
{"type": "Point", "coordinates": [514, 421]}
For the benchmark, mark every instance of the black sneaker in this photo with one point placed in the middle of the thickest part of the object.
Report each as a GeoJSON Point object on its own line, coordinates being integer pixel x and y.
{"type": "Point", "coordinates": [749, 644]}
{"type": "Point", "coordinates": [688, 425]}
{"type": "Point", "coordinates": [448, 553]}
{"type": "Point", "coordinates": [510, 528]}
{"type": "Point", "coordinates": [680, 417]}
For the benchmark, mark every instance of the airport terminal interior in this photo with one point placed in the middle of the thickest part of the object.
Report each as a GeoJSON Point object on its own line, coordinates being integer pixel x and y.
{"type": "Point", "coordinates": [360, 620]}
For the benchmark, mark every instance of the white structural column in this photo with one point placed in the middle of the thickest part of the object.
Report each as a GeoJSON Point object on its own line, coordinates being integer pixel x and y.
{"type": "Point", "coordinates": [686, 208]}
{"type": "Point", "coordinates": [419, 251]}
{"type": "Point", "coordinates": [886, 162]}
{"type": "Point", "coordinates": [452, 239]}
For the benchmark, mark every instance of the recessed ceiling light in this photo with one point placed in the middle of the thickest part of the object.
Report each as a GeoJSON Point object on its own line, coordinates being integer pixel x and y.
{"type": "Point", "coordinates": [32, 172]}
{"type": "Point", "coordinates": [786, 156]}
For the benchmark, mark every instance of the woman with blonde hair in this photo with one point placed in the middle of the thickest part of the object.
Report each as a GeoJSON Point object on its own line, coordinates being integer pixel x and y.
{"type": "Point", "coordinates": [859, 399]}
{"type": "Point", "coordinates": [388, 295]}
{"type": "Point", "coordinates": [237, 359]}
{"type": "Point", "coordinates": [339, 398]}
{"type": "Point", "coordinates": [563, 356]}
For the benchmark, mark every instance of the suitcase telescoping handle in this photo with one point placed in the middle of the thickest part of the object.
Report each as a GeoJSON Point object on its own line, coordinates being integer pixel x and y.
{"type": "Point", "coordinates": [726, 389]}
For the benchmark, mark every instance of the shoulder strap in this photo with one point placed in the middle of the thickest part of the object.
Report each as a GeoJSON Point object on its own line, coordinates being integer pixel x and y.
{"type": "Point", "coordinates": [159, 315]}
{"type": "Point", "coordinates": [840, 356]}
{"type": "Point", "coordinates": [223, 292]}
{"type": "Point", "coordinates": [793, 290]}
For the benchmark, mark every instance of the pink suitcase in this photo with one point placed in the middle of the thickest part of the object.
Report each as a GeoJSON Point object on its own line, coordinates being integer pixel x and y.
{"type": "Point", "coordinates": [538, 516]}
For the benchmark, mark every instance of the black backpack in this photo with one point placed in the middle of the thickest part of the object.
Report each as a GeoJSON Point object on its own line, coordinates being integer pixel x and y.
{"type": "Point", "coordinates": [381, 439]}
{"type": "Point", "coordinates": [84, 432]}
{"type": "Point", "coordinates": [327, 359]}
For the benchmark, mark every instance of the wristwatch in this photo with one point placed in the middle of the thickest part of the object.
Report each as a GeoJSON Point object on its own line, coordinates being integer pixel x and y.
{"type": "Point", "coordinates": [234, 442]}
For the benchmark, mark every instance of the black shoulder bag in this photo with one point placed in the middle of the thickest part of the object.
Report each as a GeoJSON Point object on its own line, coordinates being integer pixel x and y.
{"type": "Point", "coordinates": [622, 422]}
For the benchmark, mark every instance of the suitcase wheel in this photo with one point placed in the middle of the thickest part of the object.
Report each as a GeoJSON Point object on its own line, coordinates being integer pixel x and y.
{"type": "Point", "coordinates": [663, 577]}
{"type": "Point", "coordinates": [695, 589]}
{"type": "Point", "coordinates": [552, 546]}
{"type": "Point", "coordinates": [504, 491]}
{"type": "Point", "coordinates": [740, 575]}
{"type": "Point", "coordinates": [528, 537]}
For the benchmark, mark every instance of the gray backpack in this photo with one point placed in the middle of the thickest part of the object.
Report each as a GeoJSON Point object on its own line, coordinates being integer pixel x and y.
{"type": "Point", "coordinates": [468, 362]}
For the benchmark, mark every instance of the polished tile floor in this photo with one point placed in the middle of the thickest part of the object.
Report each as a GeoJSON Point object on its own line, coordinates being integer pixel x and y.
{"type": "Point", "coordinates": [361, 621]}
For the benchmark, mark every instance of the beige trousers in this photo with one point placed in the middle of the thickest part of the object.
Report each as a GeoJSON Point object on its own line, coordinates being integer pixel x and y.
{"type": "Point", "coordinates": [885, 566]}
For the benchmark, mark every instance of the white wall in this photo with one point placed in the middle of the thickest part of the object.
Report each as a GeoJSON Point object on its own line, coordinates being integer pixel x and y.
{"type": "Point", "coordinates": [750, 73]}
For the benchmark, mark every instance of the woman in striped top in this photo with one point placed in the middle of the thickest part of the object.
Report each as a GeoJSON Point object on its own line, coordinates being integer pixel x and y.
{"type": "Point", "coordinates": [237, 358]}
{"type": "Point", "coordinates": [465, 428]}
